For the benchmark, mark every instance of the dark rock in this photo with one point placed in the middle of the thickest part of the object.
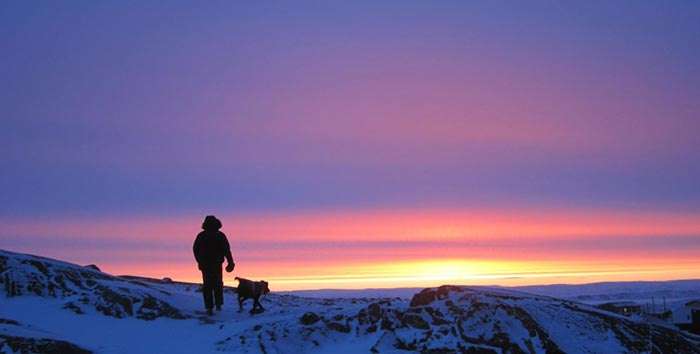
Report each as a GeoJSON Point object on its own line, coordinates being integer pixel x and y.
{"type": "Point", "coordinates": [436, 316]}
{"type": "Point", "coordinates": [73, 307]}
{"type": "Point", "coordinates": [8, 321]}
{"type": "Point", "coordinates": [338, 327]}
{"type": "Point", "coordinates": [309, 318]}
{"type": "Point", "coordinates": [40, 345]}
{"type": "Point", "coordinates": [35, 287]}
{"type": "Point", "coordinates": [427, 296]}
{"type": "Point", "coordinates": [93, 267]}
{"type": "Point", "coordinates": [374, 311]}
{"type": "Point", "coordinates": [41, 267]}
{"type": "Point", "coordinates": [153, 308]}
{"type": "Point", "coordinates": [114, 304]}
{"type": "Point", "coordinates": [415, 321]}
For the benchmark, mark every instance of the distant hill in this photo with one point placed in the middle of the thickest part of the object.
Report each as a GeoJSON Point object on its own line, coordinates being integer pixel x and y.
{"type": "Point", "coordinates": [672, 290]}
{"type": "Point", "coordinates": [588, 293]}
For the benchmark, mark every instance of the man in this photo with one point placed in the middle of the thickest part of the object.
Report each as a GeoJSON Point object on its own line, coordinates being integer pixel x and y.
{"type": "Point", "coordinates": [210, 248]}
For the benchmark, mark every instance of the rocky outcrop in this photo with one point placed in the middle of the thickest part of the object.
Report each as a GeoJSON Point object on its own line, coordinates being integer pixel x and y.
{"type": "Point", "coordinates": [83, 289]}
{"type": "Point", "coordinates": [38, 345]}
{"type": "Point", "coordinates": [93, 267]}
{"type": "Point", "coordinates": [462, 319]}
{"type": "Point", "coordinates": [309, 319]}
{"type": "Point", "coordinates": [15, 337]}
{"type": "Point", "coordinates": [453, 319]}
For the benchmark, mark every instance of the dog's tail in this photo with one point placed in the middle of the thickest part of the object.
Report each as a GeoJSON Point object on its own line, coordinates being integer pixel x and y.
{"type": "Point", "coordinates": [237, 278]}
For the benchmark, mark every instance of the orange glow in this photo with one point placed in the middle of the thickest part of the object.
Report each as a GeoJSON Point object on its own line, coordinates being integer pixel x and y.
{"type": "Point", "coordinates": [380, 248]}
{"type": "Point", "coordinates": [434, 272]}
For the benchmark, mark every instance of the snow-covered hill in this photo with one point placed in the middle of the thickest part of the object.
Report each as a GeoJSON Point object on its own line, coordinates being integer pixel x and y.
{"type": "Point", "coordinates": [85, 288]}
{"type": "Point", "coordinates": [464, 319]}
{"type": "Point", "coordinates": [592, 293]}
{"type": "Point", "coordinates": [52, 306]}
{"type": "Point", "coordinates": [640, 291]}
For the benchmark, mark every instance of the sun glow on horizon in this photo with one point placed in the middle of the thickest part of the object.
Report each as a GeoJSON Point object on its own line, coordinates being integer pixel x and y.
{"type": "Point", "coordinates": [425, 273]}
{"type": "Point", "coordinates": [391, 248]}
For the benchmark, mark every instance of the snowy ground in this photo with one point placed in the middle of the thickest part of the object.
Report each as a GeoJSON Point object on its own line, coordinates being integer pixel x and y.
{"type": "Point", "coordinates": [105, 334]}
{"type": "Point", "coordinates": [66, 304]}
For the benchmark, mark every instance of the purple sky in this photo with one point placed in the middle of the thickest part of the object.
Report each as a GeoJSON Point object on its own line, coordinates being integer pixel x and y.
{"type": "Point", "coordinates": [136, 108]}
{"type": "Point", "coordinates": [128, 109]}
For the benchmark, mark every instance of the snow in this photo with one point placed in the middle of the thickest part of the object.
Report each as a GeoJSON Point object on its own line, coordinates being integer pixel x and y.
{"type": "Point", "coordinates": [108, 334]}
{"type": "Point", "coordinates": [403, 293]}
{"type": "Point", "coordinates": [593, 293]}
{"type": "Point", "coordinates": [636, 291]}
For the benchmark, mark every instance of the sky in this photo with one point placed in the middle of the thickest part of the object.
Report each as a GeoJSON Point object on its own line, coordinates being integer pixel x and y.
{"type": "Point", "coordinates": [356, 144]}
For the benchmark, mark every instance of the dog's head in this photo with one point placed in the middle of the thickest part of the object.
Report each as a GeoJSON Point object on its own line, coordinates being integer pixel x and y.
{"type": "Point", "coordinates": [264, 287]}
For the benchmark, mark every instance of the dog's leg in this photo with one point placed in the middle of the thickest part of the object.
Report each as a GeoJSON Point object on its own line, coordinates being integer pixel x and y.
{"type": "Point", "coordinates": [258, 304]}
{"type": "Point", "coordinates": [240, 303]}
{"type": "Point", "coordinates": [253, 310]}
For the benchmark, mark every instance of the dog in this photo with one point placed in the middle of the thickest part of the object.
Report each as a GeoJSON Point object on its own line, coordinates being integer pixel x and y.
{"type": "Point", "coordinates": [248, 289]}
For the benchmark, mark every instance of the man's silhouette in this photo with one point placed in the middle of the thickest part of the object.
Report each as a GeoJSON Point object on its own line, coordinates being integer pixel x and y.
{"type": "Point", "coordinates": [210, 248]}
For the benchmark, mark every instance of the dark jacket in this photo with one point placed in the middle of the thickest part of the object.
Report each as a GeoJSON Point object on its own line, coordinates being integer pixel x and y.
{"type": "Point", "coordinates": [210, 248]}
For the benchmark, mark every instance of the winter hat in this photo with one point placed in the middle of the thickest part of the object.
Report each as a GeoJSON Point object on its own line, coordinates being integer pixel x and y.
{"type": "Point", "coordinates": [211, 223]}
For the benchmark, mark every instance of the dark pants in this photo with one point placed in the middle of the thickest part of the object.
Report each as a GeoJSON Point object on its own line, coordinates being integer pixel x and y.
{"type": "Point", "coordinates": [212, 287]}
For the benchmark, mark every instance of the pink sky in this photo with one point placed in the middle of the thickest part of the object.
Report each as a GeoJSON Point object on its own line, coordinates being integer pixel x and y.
{"type": "Point", "coordinates": [380, 248]}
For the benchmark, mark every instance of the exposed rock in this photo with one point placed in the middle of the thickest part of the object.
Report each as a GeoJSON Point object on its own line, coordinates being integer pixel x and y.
{"type": "Point", "coordinates": [428, 296]}
{"type": "Point", "coordinates": [24, 275]}
{"type": "Point", "coordinates": [93, 267]}
{"type": "Point", "coordinates": [152, 308]}
{"type": "Point", "coordinates": [3, 263]}
{"type": "Point", "coordinates": [414, 321]}
{"type": "Point", "coordinates": [73, 307]}
{"type": "Point", "coordinates": [309, 318]}
{"type": "Point", "coordinates": [39, 345]}
{"type": "Point", "coordinates": [8, 321]}
{"type": "Point", "coordinates": [338, 327]}
{"type": "Point", "coordinates": [452, 319]}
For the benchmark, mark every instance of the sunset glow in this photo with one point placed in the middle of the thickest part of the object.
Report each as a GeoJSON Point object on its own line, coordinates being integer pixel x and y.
{"type": "Point", "coordinates": [380, 248]}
